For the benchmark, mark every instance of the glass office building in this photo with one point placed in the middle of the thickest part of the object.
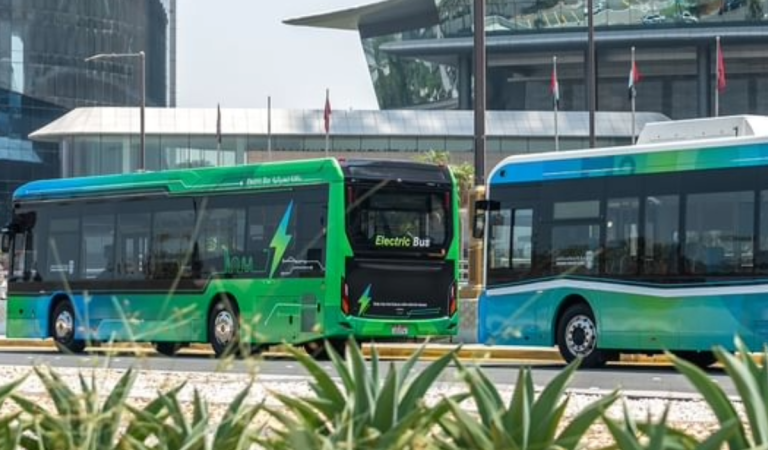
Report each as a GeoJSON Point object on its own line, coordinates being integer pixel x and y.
{"type": "Point", "coordinates": [43, 44]}
{"type": "Point", "coordinates": [420, 53]}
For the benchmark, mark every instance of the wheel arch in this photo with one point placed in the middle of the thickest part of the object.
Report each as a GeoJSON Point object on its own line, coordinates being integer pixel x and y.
{"type": "Point", "coordinates": [568, 301]}
{"type": "Point", "coordinates": [56, 300]}
{"type": "Point", "coordinates": [220, 296]}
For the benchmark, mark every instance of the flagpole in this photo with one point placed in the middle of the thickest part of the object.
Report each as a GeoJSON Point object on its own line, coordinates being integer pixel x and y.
{"type": "Point", "coordinates": [632, 76]}
{"type": "Point", "coordinates": [327, 122]}
{"type": "Point", "coordinates": [218, 135]}
{"type": "Point", "coordinates": [556, 101]}
{"type": "Point", "coordinates": [717, 76]}
{"type": "Point", "coordinates": [269, 128]}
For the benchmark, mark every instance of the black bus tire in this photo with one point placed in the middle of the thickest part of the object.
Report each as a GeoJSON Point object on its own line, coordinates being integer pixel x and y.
{"type": "Point", "coordinates": [63, 327]}
{"type": "Point", "coordinates": [702, 359]}
{"type": "Point", "coordinates": [224, 328]}
{"type": "Point", "coordinates": [318, 350]}
{"type": "Point", "coordinates": [167, 348]}
{"type": "Point", "coordinates": [577, 336]}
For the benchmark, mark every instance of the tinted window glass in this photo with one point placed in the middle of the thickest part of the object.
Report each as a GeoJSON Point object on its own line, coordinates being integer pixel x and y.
{"type": "Point", "coordinates": [662, 222]}
{"type": "Point", "coordinates": [719, 228]}
{"type": "Point", "coordinates": [621, 235]}
{"type": "Point", "coordinates": [407, 221]}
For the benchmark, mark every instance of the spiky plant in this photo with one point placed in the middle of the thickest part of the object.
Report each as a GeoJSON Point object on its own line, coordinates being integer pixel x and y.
{"type": "Point", "coordinates": [751, 382]}
{"type": "Point", "coordinates": [527, 422]}
{"type": "Point", "coordinates": [364, 410]}
{"type": "Point", "coordinates": [80, 422]}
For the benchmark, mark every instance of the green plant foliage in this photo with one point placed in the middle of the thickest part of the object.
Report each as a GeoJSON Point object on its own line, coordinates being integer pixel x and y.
{"type": "Point", "coordinates": [79, 422]}
{"type": "Point", "coordinates": [751, 382]}
{"type": "Point", "coordinates": [630, 435]}
{"type": "Point", "coordinates": [366, 411]}
{"type": "Point", "coordinates": [464, 172]}
{"type": "Point", "coordinates": [526, 423]}
{"type": "Point", "coordinates": [11, 427]}
{"type": "Point", "coordinates": [163, 425]}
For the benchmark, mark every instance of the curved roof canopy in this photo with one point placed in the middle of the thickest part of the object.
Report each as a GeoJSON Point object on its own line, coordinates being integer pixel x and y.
{"type": "Point", "coordinates": [394, 123]}
{"type": "Point", "coordinates": [384, 17]}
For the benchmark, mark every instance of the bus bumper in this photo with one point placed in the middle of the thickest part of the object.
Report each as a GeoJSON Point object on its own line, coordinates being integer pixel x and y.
{"type": "Point", "coordinates": [380, 328]}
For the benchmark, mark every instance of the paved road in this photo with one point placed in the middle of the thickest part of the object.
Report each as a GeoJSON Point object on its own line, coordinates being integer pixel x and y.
{"type": "Point", "coordinates": [631, 378]}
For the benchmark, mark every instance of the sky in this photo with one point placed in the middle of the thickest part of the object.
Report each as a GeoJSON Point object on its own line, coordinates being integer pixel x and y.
{"type": "Point", "coordinates": [238, 52]}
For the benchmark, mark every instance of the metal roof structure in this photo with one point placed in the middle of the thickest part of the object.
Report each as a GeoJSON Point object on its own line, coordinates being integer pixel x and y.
{"type": "Point", "coordinates": [202, 121]}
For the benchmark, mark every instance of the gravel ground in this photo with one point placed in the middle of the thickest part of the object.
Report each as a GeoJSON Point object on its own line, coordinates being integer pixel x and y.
{"type": "Point", "coordinates": [687, 412]}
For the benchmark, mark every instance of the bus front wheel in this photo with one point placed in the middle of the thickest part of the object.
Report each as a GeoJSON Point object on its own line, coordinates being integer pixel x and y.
{"type": "Point", "coordinates": [63, 323]}
{"type": "Point", "coordinates": [224, 328]}
{"type": "Point", "coordinates": [577, 336]}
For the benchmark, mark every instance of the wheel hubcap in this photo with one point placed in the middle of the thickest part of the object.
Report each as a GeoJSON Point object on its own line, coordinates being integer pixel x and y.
{"type": "Point", "coordinates": [224, 327]}
{"type": "Point", "coordinates": [64, 325]}
{"type": "Point", "coordinates": [581, 335]}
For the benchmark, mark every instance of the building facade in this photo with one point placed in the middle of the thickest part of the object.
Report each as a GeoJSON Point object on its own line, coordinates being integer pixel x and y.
{"type": "Point", "coordinates": [420, 53]}
{"type": "Point", "coordinates": [97, 141]}
{"type": "Point", "coordinates": [43, 72]}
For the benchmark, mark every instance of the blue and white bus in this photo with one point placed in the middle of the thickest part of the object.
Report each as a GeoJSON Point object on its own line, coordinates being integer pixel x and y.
{"type": "Point", "coordinates": [657, 246]}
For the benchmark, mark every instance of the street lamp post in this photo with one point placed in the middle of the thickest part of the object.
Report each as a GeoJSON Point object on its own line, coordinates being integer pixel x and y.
{"type": "Point", "coordinates": [142, 88]}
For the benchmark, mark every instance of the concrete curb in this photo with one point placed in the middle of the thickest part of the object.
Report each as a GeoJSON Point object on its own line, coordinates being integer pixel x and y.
{"type": "Point", "coordinates": [390, 351]}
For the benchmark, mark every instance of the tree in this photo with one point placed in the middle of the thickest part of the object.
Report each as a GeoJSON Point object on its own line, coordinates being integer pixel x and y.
{"type": "Point", "coordinates": [463, 172]}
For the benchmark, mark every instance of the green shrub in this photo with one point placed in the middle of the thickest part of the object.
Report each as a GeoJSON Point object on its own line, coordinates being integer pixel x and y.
{"type": "Point", "coordinates": [750, 381]}
{"type": "Point", "coordinates": [366, 411]}
{"type": "Point", "coordinates": [527, 422]}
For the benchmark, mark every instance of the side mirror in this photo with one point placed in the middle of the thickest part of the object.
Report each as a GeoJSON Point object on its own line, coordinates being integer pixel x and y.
{"type": "Point", "coordinates": [478, 224]}
{"type": "Point", "coordinates": [482, 207]}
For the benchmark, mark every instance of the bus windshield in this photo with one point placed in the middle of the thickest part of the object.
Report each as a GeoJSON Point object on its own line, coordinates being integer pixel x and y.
{"type": "Point", "coordinates": [388, 220]}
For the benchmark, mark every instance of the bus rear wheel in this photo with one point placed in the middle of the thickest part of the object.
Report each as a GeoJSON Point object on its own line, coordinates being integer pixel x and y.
{"type": "Point", "coordinates": [168, 348]}
{"type": "Point", "coordinates": [577, 336]}
{"type": "Point", "coordinates": [224, 328]}
{"type": "Point", "coordinates": [700, 359]}
{"type": "Point", "coordinates": [63, 323]}
{"type": "Point", "coordinates": [319, 349]}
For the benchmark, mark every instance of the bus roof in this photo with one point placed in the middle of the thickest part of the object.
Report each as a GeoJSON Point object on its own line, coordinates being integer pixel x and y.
{"type": "Point", "coordinates": [727, 141]}
{"type": "Point", "coordinates": [221, 179]}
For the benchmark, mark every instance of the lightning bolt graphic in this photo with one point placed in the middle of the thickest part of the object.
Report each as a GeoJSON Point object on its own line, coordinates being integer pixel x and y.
{"type": "Point", "coordinates": [365, 300]}
{"type": "Point", "coordinates": [280, 240]}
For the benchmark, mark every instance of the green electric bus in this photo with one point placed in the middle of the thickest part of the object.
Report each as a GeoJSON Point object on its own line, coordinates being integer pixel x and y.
{"type": "Point", "coordinates": [657, 246]}
{"type": "Point", "coordinates": [298, 252]}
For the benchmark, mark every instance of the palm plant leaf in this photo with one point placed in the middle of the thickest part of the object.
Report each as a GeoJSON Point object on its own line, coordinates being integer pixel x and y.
{"type": "Point", "coordinates": [714, 396]}
{"type": "Point", "coordinates": [750, 392]}
{"type": "Point", "coordinates": [417, 388]}
{"type": "Point", "coordinates": [321, 383]}
{"type": "Point", "coordinates": [150, 416]}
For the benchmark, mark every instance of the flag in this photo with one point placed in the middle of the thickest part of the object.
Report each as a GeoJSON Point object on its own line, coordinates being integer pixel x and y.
{"type": "Point", "coordinates": [327, 113]}
{"type": "Point", "coordinates": [721, 83]}
{"type": "Point", "coordinates": [218, 124]}
{"type": "Point", "coordinates": [554, 86]}
{"type": "Point", "coordinates": [634, 78]}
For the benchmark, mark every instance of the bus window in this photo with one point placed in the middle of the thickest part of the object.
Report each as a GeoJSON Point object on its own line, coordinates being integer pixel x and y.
{"type": "Point", "coordinates": [719, 229]}
{"type": "Point", "coordinates": [621, 235]}
{"type": "Point", "coordinates": [172, 239]}
{"type": "Point", "coordinates": [576, 237]}
{"type": "Point", "coordinates": [133, 233]}
{"type": "Point", "coordinates": [575, 248]}
{"type": "Point", "coordinates": [500, 239]}
{"type": "Point", "coordinates": [521, 239]}
{"type": "Point", "coordinates": [63, 248]}
{"type": "Point", "coordinates": [98, 246]}
{"type": "Point", "coordinates": [662, 223]}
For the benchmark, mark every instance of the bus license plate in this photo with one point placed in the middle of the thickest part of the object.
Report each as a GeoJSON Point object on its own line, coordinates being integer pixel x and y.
{"type": "Point", "coordinates": [400, 330]}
